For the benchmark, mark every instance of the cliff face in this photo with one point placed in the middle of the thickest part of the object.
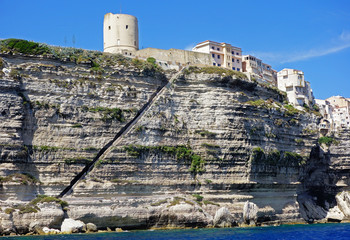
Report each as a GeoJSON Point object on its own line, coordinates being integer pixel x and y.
{"type": "Point", "coordinates": [210, 139]}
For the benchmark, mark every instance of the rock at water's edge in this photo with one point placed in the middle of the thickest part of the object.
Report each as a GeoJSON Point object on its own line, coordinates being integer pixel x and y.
{"type": "Point", "coordinates": [72, 226]}
{"type": "Point", "coordinates": [223, 218]}
{"type": "Point", "coordinates": [250, 211]}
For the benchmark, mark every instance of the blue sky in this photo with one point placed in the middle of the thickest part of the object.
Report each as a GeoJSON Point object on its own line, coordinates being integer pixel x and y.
{"type": "Point", "coordinates": [309, 35]}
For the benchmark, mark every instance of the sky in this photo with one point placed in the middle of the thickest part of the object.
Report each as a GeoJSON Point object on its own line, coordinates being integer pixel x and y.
{"type": "Point", "coordinates": [308, 35]}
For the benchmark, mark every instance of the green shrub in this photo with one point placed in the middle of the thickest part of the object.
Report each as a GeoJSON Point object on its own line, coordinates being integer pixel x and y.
{"type": "Point", "coordinates": [292, 159]}
{"type": "Point", "coordinates": [24, 46]}
{"type": "Point", "coordinates": [205, 133]}
{"type": "Point", "coordinates": [77, 125]}
{"type": "Point", "coordinates": [9, 210]}
{"type": "Point", "coordinates": [108, 114]}
{"type": "Point", "coordinates": [77, 160]}
{"type": "Point", "coordinates": [215, 70]}
{"type": "Point", "coordinates": [139, 129]}
{"type": "Point", "coordinates": [175, 201]}
{"type": "Point", "coordinates": [22, 178]}
{"type": "Point", "coordinates": [258, 154]}
{"type": "Point", "coordinates": [290, 110]}
{"type": "Point", "coordinates": [198, 197]}
{"type": "Point", "coordinates": [208, 181]}
{"type": "Point", "coordinates": [181, 152]}
{"type": "Point", "coordinates": [208, 145]}
{"type": "Point", "coordinates": [327, 140]}
{"type": "Point", "coordinates": [151, 60]}
{"type": "Point", "coordinates": [159, 202]}
{"type": "Point", "coordinates": [15, 74]}
{"type": "Point", "coordinates": [48, 199]}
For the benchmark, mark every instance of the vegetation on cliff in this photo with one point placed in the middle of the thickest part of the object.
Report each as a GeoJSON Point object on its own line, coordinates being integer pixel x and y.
{"type": "Point", "coordinates": [327, 140]}
{"type": "Point", "coordinates": [95, 59]}
{"type": "Point", "coordinates": [215, 70]}
{"type": "Point", "coordinates": [180, 152]}
{"type": "Point", "coordinates": [276, 158]}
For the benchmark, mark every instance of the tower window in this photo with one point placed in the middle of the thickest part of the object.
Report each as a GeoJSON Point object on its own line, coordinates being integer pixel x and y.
{"type": "Point", "coordinates": [109, 27]}
{"type": "Point", "coordinates": [135, 43]}
{"type": "Point", "coordinates": [127, 26]}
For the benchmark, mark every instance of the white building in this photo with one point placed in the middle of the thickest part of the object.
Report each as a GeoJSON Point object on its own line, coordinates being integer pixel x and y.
{"type": "Point", "coordinates": [258, 70]}
{"type": "Point", "coordinates": [336, 110]}
{"type": "Point", "coordinates": [222, 54]}
{"type": "Point", "coordinates": [120, 34]}
{"type": "Point", "coordinates": [298, 90]}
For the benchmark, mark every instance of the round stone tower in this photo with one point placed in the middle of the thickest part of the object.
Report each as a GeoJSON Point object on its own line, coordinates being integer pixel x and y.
{"type": "Point", "coordinates": [120, 34]}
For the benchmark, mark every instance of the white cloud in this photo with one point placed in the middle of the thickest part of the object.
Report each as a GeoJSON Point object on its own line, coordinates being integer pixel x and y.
{"type": "Point", "coordinates": [342, 42]}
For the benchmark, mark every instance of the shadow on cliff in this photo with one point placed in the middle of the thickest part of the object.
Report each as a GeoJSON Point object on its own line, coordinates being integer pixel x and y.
{"type": "Point", "coordinates": [318, 189]}
{"type": "Point", "coordinates": [21, 155]}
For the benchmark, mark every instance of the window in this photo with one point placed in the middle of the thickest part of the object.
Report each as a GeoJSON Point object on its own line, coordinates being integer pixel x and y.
{"type": "Point", "coordinates": [213, 55]}
{"type": "Point", "coordinates": [237, 53]}
{"type": "Point", "coordinates": [233, 53]}
{"type": "Point", "coordinates": [127, 26]}
{"type": "Point", "coordinates": [288, 89]}
{"type": "Point", "coordinates": [118, 42]}
{"type": "Point", "coordinates": [212, 48]}
{"type": "Point", "coordinates": [218, 56]}
{"type": "Point", "coordinates": [214, 64]}
{"type": "Point", "coordinates": [135, 43]}
{"type": "Point", "coordinates": [219, 64]}
{"type": "Point", "coordinates": [218, 49]}
{"type": "Point", "coordinates": [285, 77]}
{"type": "Point", "coordinates": [233, 68]}
{"type": "Point", "coordinates": [228, 64]}
{"type": "Point", "coordinates": [238, 60]}
{"type": "Point", "coordinates": [109, 27]}
{"type": "Point", "coordinates": [233, 60]}
{"type": "Point", "coordinates": [238, 69]}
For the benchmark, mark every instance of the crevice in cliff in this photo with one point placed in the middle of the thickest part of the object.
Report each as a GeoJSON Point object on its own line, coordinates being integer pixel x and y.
{"type": "Point", "coordinates": [119, 135]}
{"type": "Point", "coordinates": [318, 189]}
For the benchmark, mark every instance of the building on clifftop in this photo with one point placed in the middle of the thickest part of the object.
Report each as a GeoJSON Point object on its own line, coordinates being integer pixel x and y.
{"type": "Point", "coordinates": [120, 34]}
{"type": "Point", "coordinates": [299, 92]}
{"type": "Point", "coordinates": [222, 54]}
{"type": "Point", "coordinates": [258, 70]}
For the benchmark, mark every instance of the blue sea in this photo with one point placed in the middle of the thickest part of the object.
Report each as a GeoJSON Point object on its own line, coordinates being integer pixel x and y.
{"type": "Point", "coordinates": [295, 232]}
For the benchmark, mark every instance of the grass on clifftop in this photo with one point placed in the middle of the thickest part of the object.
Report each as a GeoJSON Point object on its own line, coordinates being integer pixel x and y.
{"type": "Point", "coordinates": [215, 70]}
{"type": "Point", "coordinates": [95, 59]}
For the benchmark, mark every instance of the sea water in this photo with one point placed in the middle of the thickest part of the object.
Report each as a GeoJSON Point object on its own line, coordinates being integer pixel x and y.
{"type": "Point", "coordinates": [295, 232]}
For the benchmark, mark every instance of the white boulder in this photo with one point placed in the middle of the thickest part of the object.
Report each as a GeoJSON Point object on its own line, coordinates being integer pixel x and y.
{"type": "Point", "coordinates": [72, 226]}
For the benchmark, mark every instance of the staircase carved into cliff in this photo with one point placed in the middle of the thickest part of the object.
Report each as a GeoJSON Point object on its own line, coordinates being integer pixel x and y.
{"type": "Point", "coordinates": [118, 137]}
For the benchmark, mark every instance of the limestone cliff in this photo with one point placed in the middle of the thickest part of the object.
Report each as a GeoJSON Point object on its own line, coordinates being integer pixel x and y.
{"type": "Point", "coordinates": [208, 140]}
